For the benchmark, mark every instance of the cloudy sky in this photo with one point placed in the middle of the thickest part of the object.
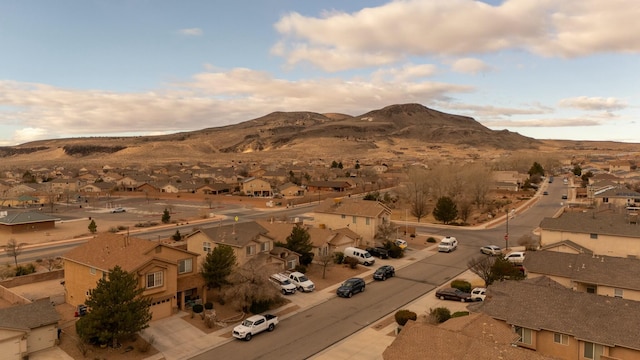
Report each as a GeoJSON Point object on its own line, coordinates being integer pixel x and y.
{"type": "Point", "coordinates": [549, 69]}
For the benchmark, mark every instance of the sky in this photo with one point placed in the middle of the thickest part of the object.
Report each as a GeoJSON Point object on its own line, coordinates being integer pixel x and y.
{"type": "Point", "coordinates": [547, 69]}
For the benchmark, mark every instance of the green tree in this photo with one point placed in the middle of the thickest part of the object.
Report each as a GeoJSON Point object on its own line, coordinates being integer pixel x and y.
{"type": "Point", "coordinates": [445, 210]}
{"type": "Point", "coordinates": [218, 265]}
{"type": "Point", "coordinates": [117, 309]}
{"type": "Point", "coordinates": [93, 227]}
{"type": "Point", "coordinates": [577, 170]}
{"type": "Point", "coordinates": [300, 241]}
{"type": "Point", "coordinates": [177, 236]}
{"type": "Point", "coordinates": [503, 269]}
{"type": "Point", "coordinates": [166, 216]}
{"type": "Point", "coordinates": [536, 169]}
{"type": "Point", "coordinates": [334, 164]}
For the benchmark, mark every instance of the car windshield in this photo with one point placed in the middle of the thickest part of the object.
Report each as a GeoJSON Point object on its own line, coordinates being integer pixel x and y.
{"type": "Point", "coordinates": [303, 278]}
{"type": "Point", "coordinates": [286, 282]}
{"type": "Point", "coordinates": [367, 255]}
{"type": "Point", "coordinates": [247, 323]}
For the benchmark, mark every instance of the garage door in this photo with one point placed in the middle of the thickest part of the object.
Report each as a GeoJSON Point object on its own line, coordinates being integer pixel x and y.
{"type": "Point", "coordinates": [11, 349]}
{"type": "Point", "coordinates": [41, 338]}
{"type": "Point", "coordinates": [161, 309]}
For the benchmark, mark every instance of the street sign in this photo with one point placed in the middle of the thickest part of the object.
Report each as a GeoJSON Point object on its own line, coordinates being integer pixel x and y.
{"type": "Point", "coordinates": [506, 236]}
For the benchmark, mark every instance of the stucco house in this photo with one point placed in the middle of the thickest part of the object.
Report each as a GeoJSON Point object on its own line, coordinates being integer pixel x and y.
{"type": "Point", "coordinates": [604, 233]}
{"type": "Point", "coordinates": [27, 328]}
{"type": "Point", "coordinates": [256, 187]}
{"type": "Point", "coordinates": [360, 216]}
{"type": "Point", "coordinates": [617, 197]}
{"type": "Point", "coordinates": [167, 274]}
{"type": "Point", "coordinates": [563, 323]}
{"type": "Point", "coordinates": [587, 272]}
{"type": "Point", "coordinates": [291, 189]}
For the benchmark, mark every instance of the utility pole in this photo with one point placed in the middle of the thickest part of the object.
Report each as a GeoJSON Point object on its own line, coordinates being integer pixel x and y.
{"type": "Point", "coordinates": [506, 235]}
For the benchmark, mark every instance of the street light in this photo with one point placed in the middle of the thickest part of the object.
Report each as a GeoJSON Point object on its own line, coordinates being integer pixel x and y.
{"type": "Point", "coordinates": [506, 235]}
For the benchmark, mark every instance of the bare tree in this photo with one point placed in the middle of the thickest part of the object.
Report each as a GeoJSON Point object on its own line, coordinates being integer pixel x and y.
{"type": "Point", "coordinates": [250, 284]}
{"type": "Point", "coordinates": [417, 191]}
{"type": "Point", "coordinates": [529, 242]}
{"type": "Point", "coordinates": [464, 208]}
{"type": "Point", "coordinates": [52, 263]}
{"type": "Point", "coordinates": [385, 232]}
{"type": "Point", "coordinates": [325, 260]}
{"type": "Point", "coordinates": [14, 249]}
{"type": "Point", "coordinates": [483, 267]}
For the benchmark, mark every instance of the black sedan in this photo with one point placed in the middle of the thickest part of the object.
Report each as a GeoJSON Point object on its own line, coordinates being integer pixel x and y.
{"type": "Point", "coordinates": [350, 287]}
{"type": "Point", "coordinates": [378, 251]}
{"type": "Point", "coordinates": [384, 272]}
{"type": "Point", "coordinates": [453, 294]}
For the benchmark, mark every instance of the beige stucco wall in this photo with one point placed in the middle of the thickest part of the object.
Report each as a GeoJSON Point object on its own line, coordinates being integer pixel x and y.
{"type": "Point", "coordinates": [546, 346]}
{"type": "Point", "coordinates": [194, 244]}
{"type": "Point", "coordinates": [77, 282]}
{"type": "Point", "coordinates": [12, 344]}
{"type": "Point", "coordinates": [604, 245]}
{"type": "Point", "coordinates": [359, 226]}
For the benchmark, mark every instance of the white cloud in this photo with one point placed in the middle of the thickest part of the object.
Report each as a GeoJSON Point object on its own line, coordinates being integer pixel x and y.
{"type": "Point", "coordinates": [593, 103]}
{"type": "Point", "coordinates": [542, 123]}
{"type": "Point", "coordinates": [469, 66]}
{"type": "Point", "coordinates": [191, 32]}
{"type": "Point", "coordinates": [400, 29]}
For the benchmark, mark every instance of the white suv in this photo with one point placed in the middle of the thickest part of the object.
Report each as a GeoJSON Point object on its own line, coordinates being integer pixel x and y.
{"type": "Point", "coordinates": [283, 283]}
{"type": "Point", "coordinates": [448, 244]}
{"type": "Point", "coordinates": [516, 257]}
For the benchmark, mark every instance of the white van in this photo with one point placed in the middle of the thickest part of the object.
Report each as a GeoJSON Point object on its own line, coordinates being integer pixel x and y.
{"type": "Point", "coordinates": [448, 244]}
{"type": "Point", "coordinates": [362, 256]}
{"type": "Point", "coordinates": [282, 282]}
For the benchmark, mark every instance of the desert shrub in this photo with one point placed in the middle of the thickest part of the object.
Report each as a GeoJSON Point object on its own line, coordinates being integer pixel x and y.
{"type": "Point", "coordinates": [404, 315]}
{"type": "Point", "coordinates": [463, 285]}
{"type": "Point", "coordinates": [459, 314]}
{"type": "Point", "coordinates": [122, 227]}
{"type": "Point", "coordinates": [351, 261]}
{"type": "Point", "coordinates": [301, 268]}
{"type": "Point", "coordinates": [431, 239]}
{"type": "Point", "coordinates": [440, 314]}
{"type": "Point", "coordinates": [394, 250]}
{"type": "Point", "coordinates": [25, 270]}
{"type": "Point", "coordinates": [260, 306]}
{"type": "Point", "coordinates": [338, 257]}
{"type": "Point", "coordinates": [208, 305]}
{"type": "Point", "coordinates": [113, 229]}
{"type": "Point", "coordinates": [197, 308]}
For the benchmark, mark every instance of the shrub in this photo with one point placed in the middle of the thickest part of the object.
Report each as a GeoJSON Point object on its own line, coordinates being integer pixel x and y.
{"type": "Point", "coordinates": [431, 239]}
{"type": "Point", "coordinates": [113, 229]}
{"type": "Point", "coordinates": [301, 268]}
{"type": "Point", "coordinates": [197, 308]}
{"type": "Point", "coordinates": [402, 316]}
{"type": "Point", "coordinates": [394, 250]}
{"type": "Point", "coordinates": [459, 314]}
{"type": "Point", "coordinates": [25, 270]}
{"type": "Point", "coordinates": [338, 257]}
{"type": "Point", "coordinates": [259, 306]}
{"type": "Point", "coordinates": [351, 261]}
{"type": "Point", "coordinates": [208, 305]}
{"type": "Point", "coordinates": [440, 314]}
{"type": "Point", "coordinates": [463, 285]}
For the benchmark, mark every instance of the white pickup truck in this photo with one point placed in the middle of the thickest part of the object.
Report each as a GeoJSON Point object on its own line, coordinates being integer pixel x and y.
{"type": "Point", "coordinates": [254, 325]}
{"type": "Point", "coordinates": [301, 281]}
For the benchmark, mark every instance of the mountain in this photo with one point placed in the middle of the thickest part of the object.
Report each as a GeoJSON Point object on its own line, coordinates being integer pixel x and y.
{"type": "Point", "coordinates": [284, 134]}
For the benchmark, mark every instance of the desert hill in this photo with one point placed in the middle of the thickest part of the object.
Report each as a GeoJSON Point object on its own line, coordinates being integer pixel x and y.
{"type": "Point", "coordinates": [379, 134]}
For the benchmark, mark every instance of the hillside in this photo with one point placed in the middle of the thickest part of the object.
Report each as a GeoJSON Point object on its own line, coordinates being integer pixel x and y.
{"type": "Point", "coordinates": [385, 133]}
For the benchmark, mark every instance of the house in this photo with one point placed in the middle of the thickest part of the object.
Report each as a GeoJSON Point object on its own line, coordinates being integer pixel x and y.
{"type": "Point", "coordinates": [27, 328]}
{"type": "Point", "coordinates": [14, 222]}
{"type": "Point", "coordinates": [508, 180]}
{"type": "Point", "coordinates": [560, 322]}
{"type": "Point", "coordinates": [472, 337]}
{"type": "Point", "coordinates": [214, 189]}
{"type": "Point", "coordinates": [338, 186]}
{"type": "Point", "coordinates": [360, 216]}
{"type": "Point", "coordinates": [617, 197]}
{"type": "Point", "coordinates": [620, 165]}
{"type": "Point", "coordinates": [590, 273]}
{"type": "Point", "coordinates": [256, 187]}
{"type": "Point", "coordinates": [604, 233]}
{"type": "Point", "coordinates": [291, 189]}
{"type": "Point", "coordinates": [167, 274]}
{"type": "Point", "coordinates": [248, 240]}
{"type": "Point", "coordinates": [99, 188]}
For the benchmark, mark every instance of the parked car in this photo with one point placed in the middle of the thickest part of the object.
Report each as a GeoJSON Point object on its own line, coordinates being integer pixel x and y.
{"type": "Point", "coordinates": [453, 294]}
{"type": "Point", "coordinates": [350, 287]}
{"type": "Point", "coordinates": [384, 272]}
{"type": "Point", "coordinates": [378, 251]}
{"type": "Point", "coordinates": [301, 281]}
{"type": "Point", "coordinates": [363, 256]}
{"type": "Point", "coordinates": [401, 243]}
{"type": "Point", "coordinates": [254, 325]}
{"type": "Point", "coordinates": [564, 196]}
{"type": "Point", "coordinates": [545, 193]}
{"type": "Point", "coordinates": [491, 250]}
{"type": "Point", "coordinates": [448, 244]}
{"type": "Point", "coordinates": [516, 257]}
{"type": "Point", "coordinates": [283, 283]}
{"type": "Point", "coordinates": [118, 210]}
{"type": "Point", "coordinates": [478, 294]}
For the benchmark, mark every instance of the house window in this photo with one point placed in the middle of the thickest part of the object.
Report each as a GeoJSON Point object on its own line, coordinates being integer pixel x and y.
{"type": "Point", "coordinates": [593, 236]}
{"type": "Point", "coordinates": [291, 264]}
{"type": "Point", "coordinates": [593, 351]}
{"type": "Point", "coordinates": [560, 339]}
{"type": "Point", "coordinates": [154, 279]}
{"type": "Point", "coordinates": [367, 221]}
{"type": "Point", "coordinates": [525, 335]}
{"type": "Point", "coordinates": [251, 249]}
{"type": "Point", "coordinates": [206, 247]}
{"type": "Point", "coordinates": [264, 247]}
{"type": "Point", "coordinates": [353, 220]}
{"type": "Point", "coordinates": [343, 216]}
{"type": "Point", "coordinates": [617, 293]}
{"type": "Point", "coordinates": [591, 289]}
{"type": "Point", "coordinates": [92, 271]}
{"type": "Point", "coordinates": [185, 266]}
{"type": "Point", "coordinates": [605, 200]}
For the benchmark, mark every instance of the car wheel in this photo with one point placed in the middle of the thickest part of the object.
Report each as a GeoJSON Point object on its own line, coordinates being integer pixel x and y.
{"type": "Point", "coordinates": [363, 289]}
{"type": "Point", "coordinates": [271, 327]}
{"type": "Point", "coordinates": [248, 337]}
{"type": "Point", "coordinates": [441, 297]}
{"type": "Point", "coordinates": [284, 292]}
{"type": "Point", "coordinates": [384, 278]}
{"type": "Point", "coordinates": [350, 294]}
{"type": "Point", "coordinates": [462, 300]}
{"type": "Point", "coordinates": [300, 289]}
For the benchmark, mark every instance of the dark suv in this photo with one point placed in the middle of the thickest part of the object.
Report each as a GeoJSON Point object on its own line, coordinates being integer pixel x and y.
{"type": "Point", "coordinates": [350, 287]}
{"type": "Point", "coordinates": [380, 252]}
{"type": "Point", "coordinates": [384, 272]}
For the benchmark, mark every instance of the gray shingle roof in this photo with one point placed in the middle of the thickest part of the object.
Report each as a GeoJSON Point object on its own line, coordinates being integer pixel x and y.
{"type": "Point", "coordinates": [29, 316]}
{"type": "Point", "coordinates": [238, 235]}
{"type": "Point", "coordinates": [544, 304]}
{"type": "Point", "coordinates": [600, 270]}
{"type": "Point", "coordinates": [352, 207]}
{"type": "Point", "coordinates": [25, 217]}
{"type": "Point", "coordinates": [589, 223]}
